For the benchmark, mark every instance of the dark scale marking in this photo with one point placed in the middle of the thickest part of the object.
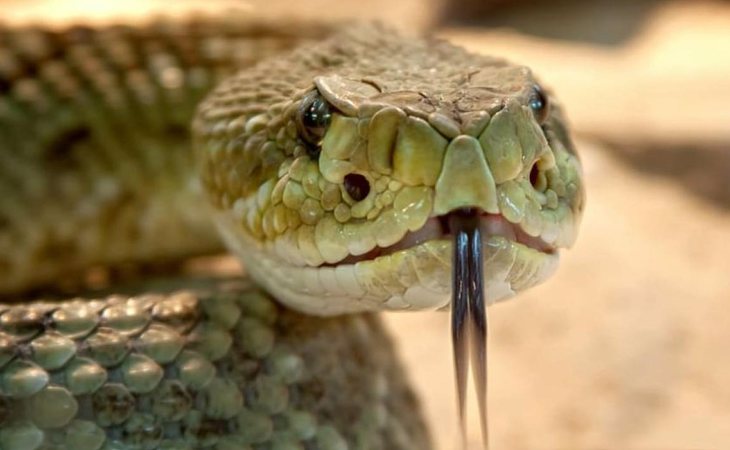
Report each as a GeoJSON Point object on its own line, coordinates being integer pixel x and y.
{"type": "Point", "coordinates": [5, 84]}
{"type": "Point", "coordinates": [177, 132]}
{"type": "Point", "coordinates": [61, 148]}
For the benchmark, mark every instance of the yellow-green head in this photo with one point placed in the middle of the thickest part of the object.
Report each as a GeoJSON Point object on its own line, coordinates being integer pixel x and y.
{"type": "Point", "coordinates": [335, 170]}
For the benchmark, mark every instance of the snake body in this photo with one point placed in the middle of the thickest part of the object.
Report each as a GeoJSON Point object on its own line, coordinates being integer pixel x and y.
{"type": "Point", "coordinates": [329, 169]}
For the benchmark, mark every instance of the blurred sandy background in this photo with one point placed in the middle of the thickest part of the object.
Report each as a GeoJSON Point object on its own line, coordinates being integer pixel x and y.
{"type": "Point", "coordinates": [628, 347]}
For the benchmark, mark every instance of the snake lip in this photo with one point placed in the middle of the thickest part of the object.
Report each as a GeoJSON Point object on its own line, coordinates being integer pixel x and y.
{"type": "Point", "coordinates": [498, 225]}
{"type": "Point", "coordinates": [438, 228]}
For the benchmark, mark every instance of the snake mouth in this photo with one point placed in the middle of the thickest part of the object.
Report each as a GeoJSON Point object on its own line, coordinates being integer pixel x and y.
{"type": "Point", "coordinates": [438, 228]}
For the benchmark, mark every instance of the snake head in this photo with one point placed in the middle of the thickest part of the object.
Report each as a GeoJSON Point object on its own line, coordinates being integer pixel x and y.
{"type": "Point", "coordinates": [335, 170]}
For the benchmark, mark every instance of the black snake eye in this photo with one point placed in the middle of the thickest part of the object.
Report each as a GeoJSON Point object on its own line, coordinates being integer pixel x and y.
{"type": "Point", "coordinates": [357, 186]}
{"type": "Point", "coordinates": [313, 119]}
{"type": "Point", "coordinates": [539, 104]}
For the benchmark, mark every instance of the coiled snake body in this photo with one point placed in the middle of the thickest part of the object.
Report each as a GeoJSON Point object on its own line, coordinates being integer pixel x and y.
{"type": "Point", "coordinates": [333, 170]}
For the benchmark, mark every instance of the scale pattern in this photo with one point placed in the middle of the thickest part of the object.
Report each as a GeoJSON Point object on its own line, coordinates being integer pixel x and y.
{"type": "Point", "coordinates": [217, 367]}
{"type": "Point", "coordinates": [96, 169]}
{"type": "Point", "coordinates": [428, 128]}
{"type": "Point", "coordinates": [94, 136]}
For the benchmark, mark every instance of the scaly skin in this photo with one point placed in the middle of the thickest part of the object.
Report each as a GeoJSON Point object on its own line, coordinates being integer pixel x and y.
{"type": "Point", "coordinates": [95, 170]}
{"type": "Point", "coordinates": [94, 137]}
{"type": "Point", "coordinates": [431, 128]}
{"type": "Point", "coordinates": [198, 364]}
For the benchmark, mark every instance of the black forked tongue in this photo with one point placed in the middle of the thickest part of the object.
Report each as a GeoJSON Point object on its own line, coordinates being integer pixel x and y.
{"type": "Point", "coordinates": [469, 315]}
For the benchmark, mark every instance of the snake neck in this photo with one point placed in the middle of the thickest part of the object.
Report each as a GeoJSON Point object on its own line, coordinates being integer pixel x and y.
{"type": "Point", "coordinates": [96, 167]}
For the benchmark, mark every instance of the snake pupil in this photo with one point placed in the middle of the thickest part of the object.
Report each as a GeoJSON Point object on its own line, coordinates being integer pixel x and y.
{"type": "Point", "coordinates": [539, 104]}
{"type": "Point", "coordinates": [357, 186]}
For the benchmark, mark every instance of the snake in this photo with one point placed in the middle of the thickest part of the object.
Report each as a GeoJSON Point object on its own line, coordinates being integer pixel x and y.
{"type": "Point", "coordinates": [351, 168]}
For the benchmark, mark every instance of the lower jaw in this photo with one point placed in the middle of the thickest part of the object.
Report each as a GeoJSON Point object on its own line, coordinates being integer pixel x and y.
{"type": "Point", "coordinates": [420, 277]}
{"type": "Point", "coordinates": [416, 278]}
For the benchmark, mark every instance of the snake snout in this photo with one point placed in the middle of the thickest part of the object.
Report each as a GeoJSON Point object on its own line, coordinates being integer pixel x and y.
{"type": "Point", "coordinates": [465, 180]}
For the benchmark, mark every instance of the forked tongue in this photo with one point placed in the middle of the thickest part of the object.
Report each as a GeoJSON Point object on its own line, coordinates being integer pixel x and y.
{"type": "Point", "coordinates": [469, 315]}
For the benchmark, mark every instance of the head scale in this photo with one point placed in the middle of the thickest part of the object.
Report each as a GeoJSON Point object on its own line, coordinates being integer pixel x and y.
{"type": "Point", "coordinates": [334, 169]}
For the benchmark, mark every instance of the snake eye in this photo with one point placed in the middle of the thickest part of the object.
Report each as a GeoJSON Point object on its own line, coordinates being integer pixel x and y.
{"type": "Point", "coordinates": [357, 186]}
{"type": "Point", "coordinates": [539, 104]}
{"type": "Point", "coordinates": [313, 119]}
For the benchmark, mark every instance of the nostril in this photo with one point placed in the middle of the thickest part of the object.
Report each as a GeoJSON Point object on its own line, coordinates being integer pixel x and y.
{"type": "Point", "coordinates": [357, 186]}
